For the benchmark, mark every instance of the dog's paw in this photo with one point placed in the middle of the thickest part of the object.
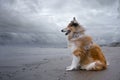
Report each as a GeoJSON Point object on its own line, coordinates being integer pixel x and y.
{"type": "Point", "coordinates": [70, 68]}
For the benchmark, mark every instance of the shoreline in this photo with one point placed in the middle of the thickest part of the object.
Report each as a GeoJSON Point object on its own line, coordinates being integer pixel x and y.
{"type": "Point", "coordinates": [35, 63]}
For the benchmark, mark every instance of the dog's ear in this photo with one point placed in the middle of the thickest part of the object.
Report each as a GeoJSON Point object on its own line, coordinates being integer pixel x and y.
{"type": "Point", "coordinates": [74, 20]}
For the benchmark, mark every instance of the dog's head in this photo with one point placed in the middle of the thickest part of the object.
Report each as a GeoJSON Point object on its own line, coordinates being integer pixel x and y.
{"type": "Point", "coordinates": [73, 26]}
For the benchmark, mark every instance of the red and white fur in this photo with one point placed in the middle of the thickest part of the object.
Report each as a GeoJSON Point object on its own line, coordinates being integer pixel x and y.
{"type": "Point", "coordinates": [85, 52]}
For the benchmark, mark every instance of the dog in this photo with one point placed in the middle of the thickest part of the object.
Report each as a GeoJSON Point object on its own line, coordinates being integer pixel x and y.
{"type": "Point", "coordinates": [86, 54]}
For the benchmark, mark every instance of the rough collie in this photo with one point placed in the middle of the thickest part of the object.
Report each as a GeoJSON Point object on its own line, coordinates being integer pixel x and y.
{"type": "Point", "coordinates": [86, 54]}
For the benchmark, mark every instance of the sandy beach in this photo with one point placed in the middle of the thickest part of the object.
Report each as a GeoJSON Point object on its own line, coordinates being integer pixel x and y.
{"type": "Point", "coordinates": [35, 63]}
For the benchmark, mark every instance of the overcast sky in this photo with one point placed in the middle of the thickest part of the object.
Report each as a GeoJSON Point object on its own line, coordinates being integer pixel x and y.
{"type": "Point", "coordinates": [37, 15]}
{"type": "Point", "coordinates": [40, 21]}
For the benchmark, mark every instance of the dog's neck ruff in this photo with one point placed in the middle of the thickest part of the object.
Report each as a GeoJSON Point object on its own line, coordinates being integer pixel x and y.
{"type": "Point", "coordinates": [77, 35]}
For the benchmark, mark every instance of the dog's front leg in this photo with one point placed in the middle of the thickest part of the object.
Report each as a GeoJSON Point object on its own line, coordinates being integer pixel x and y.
{"type": "Point", "coordinates": [75, 63]}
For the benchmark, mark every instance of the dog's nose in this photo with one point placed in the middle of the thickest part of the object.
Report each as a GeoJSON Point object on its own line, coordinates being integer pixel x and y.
{"type": "Point", "coordinates": [62, 30]}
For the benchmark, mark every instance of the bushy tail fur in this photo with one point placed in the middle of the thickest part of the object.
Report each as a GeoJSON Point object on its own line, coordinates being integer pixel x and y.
{"type": "Point", "coordinates": [96, 66]}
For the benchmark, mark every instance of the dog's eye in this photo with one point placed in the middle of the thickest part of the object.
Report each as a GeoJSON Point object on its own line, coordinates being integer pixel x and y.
{"type": "Point", "coordinates": [75, 24]}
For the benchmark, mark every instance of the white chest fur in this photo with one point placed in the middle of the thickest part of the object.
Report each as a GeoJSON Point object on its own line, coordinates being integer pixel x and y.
{"type": "Point", "coordinates": [73, 47]}
{"type": "Point", "coordinates": [75, 60]}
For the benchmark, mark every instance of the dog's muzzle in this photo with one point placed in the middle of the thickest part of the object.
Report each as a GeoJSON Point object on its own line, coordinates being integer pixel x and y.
{"type": "Point", "coordinates": [67, 32]}
{"type": "Point", "coordinates": [63, 30]}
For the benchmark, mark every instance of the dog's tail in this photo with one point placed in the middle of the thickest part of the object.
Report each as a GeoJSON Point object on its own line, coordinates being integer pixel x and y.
{"type": "Point", "coordinates": [96, 66]}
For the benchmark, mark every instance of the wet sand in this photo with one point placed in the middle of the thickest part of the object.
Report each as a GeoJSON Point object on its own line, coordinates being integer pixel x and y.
{"type": "Point", "coordinates": [34, 63]}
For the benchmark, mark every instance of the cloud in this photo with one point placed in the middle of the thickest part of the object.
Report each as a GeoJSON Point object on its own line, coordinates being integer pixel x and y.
{"type": "Point", "coordinates": [34, 16]}
{"type": "Point", "coordinates": [57, 10]}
